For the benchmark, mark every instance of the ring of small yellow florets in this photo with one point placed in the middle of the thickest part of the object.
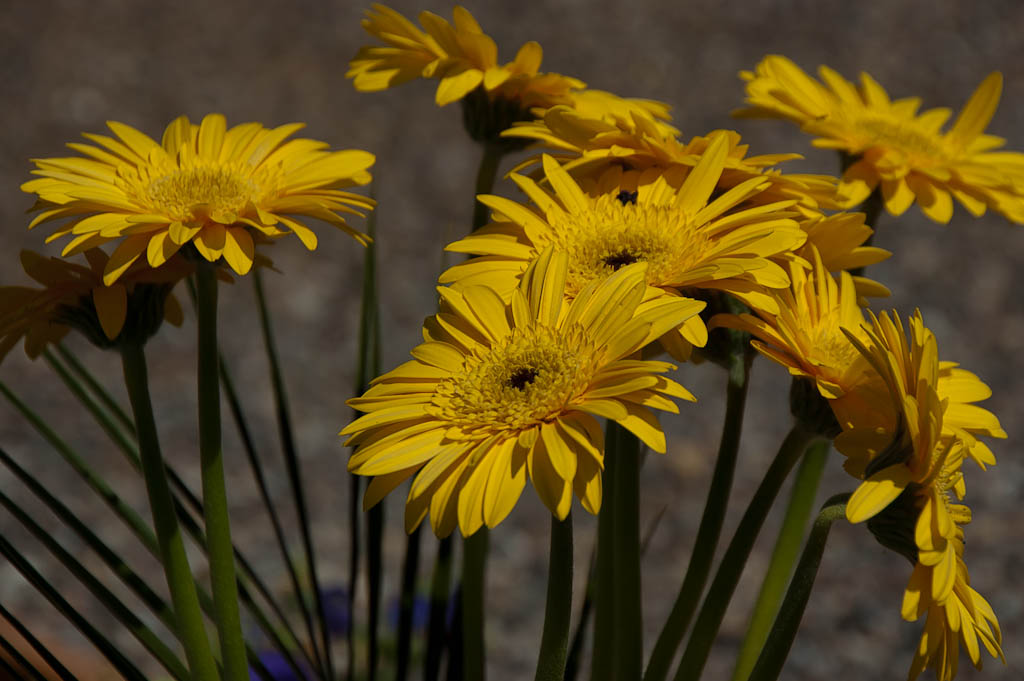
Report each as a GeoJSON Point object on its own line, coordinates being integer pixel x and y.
{"type": "Point", "coordinates": [617, 232]}
{"type": "Point", "coordinates": [531, 377]}
{"type": "Point", "coordinates": [201, 189]}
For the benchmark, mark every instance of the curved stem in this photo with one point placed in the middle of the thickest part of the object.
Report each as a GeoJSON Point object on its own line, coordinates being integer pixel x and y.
{"type": "Point", "coordinates": [710, 523]}
{"type": "Point", "coordinates": [187, 614]}
{"type": "Point", "coordinates": [776, 648]}
{"type": "Point", "coordinates": [784, 555]}
{"type": "Point", "coordinates": [215, 500]}
{"type": "Point", "coordinates": [712, 610]}
{"type": "Point", "coordinates": [558, 607]}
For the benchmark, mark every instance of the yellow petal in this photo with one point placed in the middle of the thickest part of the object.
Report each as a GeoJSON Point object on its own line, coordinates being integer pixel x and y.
{"type": "Point", "coordinates": [877, 492]}
{"type": "Point", "coordinates": [111, 307]}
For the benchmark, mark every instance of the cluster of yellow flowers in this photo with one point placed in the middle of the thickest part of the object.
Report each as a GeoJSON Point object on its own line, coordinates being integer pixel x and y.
{"type": "Point", "coordinates": [627, 234]}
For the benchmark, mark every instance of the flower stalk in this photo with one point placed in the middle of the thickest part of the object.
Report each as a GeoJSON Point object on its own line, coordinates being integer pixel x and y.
{"type": "Point", "coordinates": [188, 615]}
{"type": "Point", "coordinates": [558, 607]}
{"type": "Point", "coordinates": [215, 502]}
{"type": "Point", "coordinates": [780, 640]}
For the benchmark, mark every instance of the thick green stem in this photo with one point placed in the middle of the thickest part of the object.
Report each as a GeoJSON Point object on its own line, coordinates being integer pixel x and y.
{"type": "Point", "coordinates": [787, 546]}
{"type": "Point", "coordinates": [485, 175]}
{"type": "Point", "coordinates": [710, 523]}
{"type": "Point", "coordinates": [558, 608]}
{"type": "Point", "coordinates": [712, 610]}
{"type": "Point", "coordinates": [187, 614]}
{"type": "Point", "coordinates": [629, 642]}
{"type": "Point", "coordinates": [215, 499]}
{"type": "Point", "coordinates": [474, 566]}
{"type": "Point", "coordinates": [776, 648]}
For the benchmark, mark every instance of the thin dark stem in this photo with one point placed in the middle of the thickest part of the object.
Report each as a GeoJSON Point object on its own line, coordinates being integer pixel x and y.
{"type": "Point", "coordinates": [603, 658]}
{"type": "Point", "coordinates": [41, 650]}
{"type": "Point", "coordinates": [710, 529]}
{"type": "Point", "coordinates": [437, 625]}
{"type": "Point", "coordinates": [294, 474]}
{"type": "Point", "coordinates": [485, 176]}
{"type": "Point", "coordinates": [374, 579]}
{"type": "Point", "coordinates": [406, 604]}
{"type": "Point", "coordinates": [709, 619]}
{"type": "Point", "coordinates": [780, 640]}
{"type": "Point", "coordinates": [558, 606]}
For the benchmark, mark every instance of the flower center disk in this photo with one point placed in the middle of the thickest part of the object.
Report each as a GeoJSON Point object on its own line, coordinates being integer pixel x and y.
{"type": "Point", "coordinates": [532, 377]}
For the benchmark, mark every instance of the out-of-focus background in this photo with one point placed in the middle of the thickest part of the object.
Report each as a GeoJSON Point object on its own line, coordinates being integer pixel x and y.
{"type": "Point", "coordinates": [68, 66]}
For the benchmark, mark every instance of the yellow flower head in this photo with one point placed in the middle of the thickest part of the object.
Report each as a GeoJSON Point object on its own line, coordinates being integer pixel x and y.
{"type": "Point", "coordinates": [909, 450]}
{"type": "Point", "coordinates": [460, 55]}
{"type": "Point", "coordinates": [501, 391]}
{"type": "Point", "coordinates": [629, 150]}
{"type": "Point", "coordinates": [805, 334]}
{"type": "Point", "coordinates": [205, 185]}
{"type": "Point", "coordinates": [688, 241]}
{"type": "Point", "coordinates": [901, 151]}
{"type": "Point", "coordinates": [75, 296]}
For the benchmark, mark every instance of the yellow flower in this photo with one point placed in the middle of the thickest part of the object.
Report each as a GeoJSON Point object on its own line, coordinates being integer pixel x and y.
{"type": "Point", "coordinates": [75, 296]}
{"type": "Point", "coordinates": [898, 150]}
{"type": "Point", "coordinates": [688, 241]}
{"type": "Point", "coordinates": [805, 334]}
{"type": "Point", "coordinates": [839, 240]}
{"type": "Point", "coordinates": [205, 185]}
{"type": "Point", "coordinates": [500, 391]}
{"type": "Point", "coordinates": [461, 56]}
{"type": "Point", "coordinates": [910, 460]}
{"type": "Point", "coordinates": [602, 149]}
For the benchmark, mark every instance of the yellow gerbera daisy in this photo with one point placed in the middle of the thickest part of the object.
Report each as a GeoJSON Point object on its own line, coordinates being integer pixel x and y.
{"type": "Point", "coordinates": [461, 56]}
{"type": "Point", "coordinates": [75, 296]}
{"type": "Point", "coordinates": [688, 241]}
{"type": "Point", "coordinates": [205, 185]}
{"type": "Point", "coordinates": [503, 391]}
{"type": "Point", "coordinates": [910, 462]}
{"type": "Point", "coordinates": [898, 150]}
{"type": "Point", "coordinates": [602, 150]}
{"type": "Point", "coordinates": [805, 334]}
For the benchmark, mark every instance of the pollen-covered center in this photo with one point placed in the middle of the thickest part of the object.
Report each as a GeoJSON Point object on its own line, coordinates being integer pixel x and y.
{"type": "Point", "coordinates": [916, 145]}
{"type": "Point", "coordinates": [216, 191]}
{"type": "Point", "coordinates": [615, 233]}
{"type": "Point", "coordinates": [531, 378]}
{"type": "Point", "coordinates": [829, 347]}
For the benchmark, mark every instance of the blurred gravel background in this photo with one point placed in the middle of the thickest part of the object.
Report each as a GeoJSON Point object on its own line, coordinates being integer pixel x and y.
{"type": "Point", "coordinates": [66, 67]}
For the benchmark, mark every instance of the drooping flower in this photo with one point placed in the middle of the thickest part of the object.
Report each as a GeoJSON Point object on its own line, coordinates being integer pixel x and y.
{"type": "Point", "coordinates": [896, 149]}
{"type": "Point", "coordinates": [689, 241]}
{"type": "Point", "coordinates": [910, 461]}
{"type": "Point", "coordinates": [460, 55]}
{"type": "Point", "coordinates": [626, 151]}
{"type": "Point", "coordinates": [220, 190]}
{"type": "Point", "coordinates": [74, 296]}
{"type": "Point", "coordinates": [805, 332]}
{"type": "Point", "coordinates": [504, 391]}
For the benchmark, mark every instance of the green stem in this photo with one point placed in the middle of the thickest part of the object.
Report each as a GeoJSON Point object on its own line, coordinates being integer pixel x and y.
{"type": "Point", "coordinates": [629, 643]}
{"type": "Point", "coordinates": [407, 600]}
{"type": "Point", "coordinates": [712, 610]}
{"type": "Point", "coordinates": [440, 585]}
{"type": "Point", "coordinates": [558, 608]}
{"type": "Point", "coordinates": [474, 565]}
{"type": "Point", "coordinates": [787, 546]}
{"type": "Point", "coordinates": [187, 613]}
{"type": "Point", "coordinates": [215, 499]}
{"type": "Point", "coordinates": [776, 648]}
{"type": "Point", "coordinates": [41, 650]}
{"type": "Point", "coordinates": [710, 523]}
{"type": "Point", "coordinates": [485, 176]}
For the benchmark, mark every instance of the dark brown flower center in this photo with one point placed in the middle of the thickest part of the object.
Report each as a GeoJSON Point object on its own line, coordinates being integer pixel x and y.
{"type": "Point", "coordinates": [620, 259]}
{"type": "Point", "coordinates": [522, 377]}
